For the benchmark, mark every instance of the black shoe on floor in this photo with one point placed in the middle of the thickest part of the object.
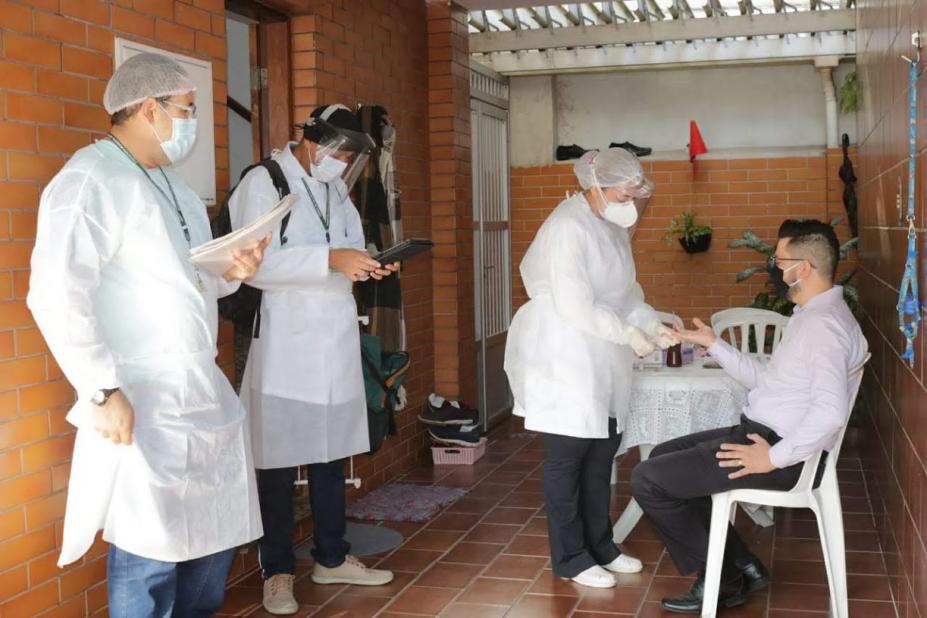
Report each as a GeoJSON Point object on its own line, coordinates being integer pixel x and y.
{"type": "Point", "coordinates": [756, 577]}
{"type": "Point", "coordinates": [456, 435]}
{"type": "Point", "coordinates": [565, 153]}
{"type": "Point", "coordinates": [732, 594]}
{"type": "Point", "coordinates": [440, 411]}
{"type": "Point", "coordinates": [637, 151]}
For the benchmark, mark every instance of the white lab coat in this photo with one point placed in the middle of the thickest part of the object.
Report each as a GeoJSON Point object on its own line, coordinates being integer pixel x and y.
{"type": "Point", "coordinates": [565, 359]}
{"type": "Point", "coordinates": [303, 383]}
{"type": "Point", "coordinates": [117, 301]}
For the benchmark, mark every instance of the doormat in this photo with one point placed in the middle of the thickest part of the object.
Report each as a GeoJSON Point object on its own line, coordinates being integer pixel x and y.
{"type": "Point", "coordinates": [404, 502]}
{"type": "Point", "coordinates": [365, 540]}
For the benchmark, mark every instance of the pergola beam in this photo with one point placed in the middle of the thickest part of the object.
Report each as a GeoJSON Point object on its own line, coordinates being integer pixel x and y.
{"type": "Point", "coordinates": [757, 51]}
{"type": "Point", "coordinates": [837, 20]}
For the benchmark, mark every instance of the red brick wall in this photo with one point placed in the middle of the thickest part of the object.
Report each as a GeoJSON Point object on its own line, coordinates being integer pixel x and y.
{"type": "Point", "coordinates": [895, 444]}
{"type": "Point", "coordinates": [451, 200]}
{"type": "Point", "coordinates": [57, 56]}
{"type": "Point", "coordinates": [730, 195]}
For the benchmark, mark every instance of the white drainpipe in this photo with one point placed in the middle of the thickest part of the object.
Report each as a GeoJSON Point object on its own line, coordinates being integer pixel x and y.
{"type": "Point", "coordinates": [825, 66]}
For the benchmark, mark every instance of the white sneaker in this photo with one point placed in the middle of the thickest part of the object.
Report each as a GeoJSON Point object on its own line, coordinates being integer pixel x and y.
{"type": "Point", "coordinates": [624, 564]}
{"type": "Point", "coordinates": [596, 577]}
{"type": "Point", "coordinates": [351, 571]}
{"type": "Point", "coordinates": [278, 595]}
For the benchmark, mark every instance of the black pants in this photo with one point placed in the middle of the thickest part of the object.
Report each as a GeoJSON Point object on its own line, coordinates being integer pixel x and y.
{"type": "Point", "coordinates": [674, 488]}
{"type": "Point", "coordinates": [577, 491]}
{"type": "Point", "coordinates": [326, 497]}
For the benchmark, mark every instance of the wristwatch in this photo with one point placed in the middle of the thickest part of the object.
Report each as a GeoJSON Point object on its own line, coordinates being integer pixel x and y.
{"type": "Point", "coordinates": [100, 397]}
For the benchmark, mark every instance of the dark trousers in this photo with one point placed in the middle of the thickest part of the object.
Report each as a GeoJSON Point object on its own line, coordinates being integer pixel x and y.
{"type": "Point", "coordinates": [327, 500]}
{"type": "Point", "coordinates": [577, 492]}
{"type": "Point", "coordinates": [674, 488]}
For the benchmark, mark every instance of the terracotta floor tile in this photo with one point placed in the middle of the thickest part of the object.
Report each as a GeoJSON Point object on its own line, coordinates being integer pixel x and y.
{"type": "Point", "coordinates": [310, 593]}
{"type": "Point", "coordinates": [871, 609]}
{"type": "Point", "coordinates": [862, 540]}
{"type": "Point", "coordinates": [548, 583]}
{"type": "Point", "coordinates": [869, 587]}
{"type": "Point", "coordinates": [806, 597]}
{"type": "Point", "coordinates": [448, 575]}
{"type": "Point", "coordinates": [409, 560]}
{"type": "Point", "coordinates": [620, 600]}
{"type": "Point", "coordinates": [454, 521]}
{"type": "Point", "coordinates": [435, 540]}
{"type": "Point", "coordinates": [798, 572]}
{"type": "Point", "coordinates": [478, 506]}
{"type": "Point", "coordinates": [537, 526]}
{"type": "Point", "coordinates": [303, 612]}
{"type": "Point", "coordinates": [493, 591]}
{"type": "Point", "coordinates": [542, 606]}
{"type": "Point", "coordinates": [798, 549]}
{"type": "Point", "coordinates": [523, 500]}
{"type": "Point", "coordinates": [526, 545]}
{"type": "Point", "coordinates": [645, 551]}
{"type": "Point", "coordinates": [516, 567]}
{"type": "Point", "coordinates": [492, 533]}
{"type": "Point", "coordinates": [668, 587]}
{"type": "Point", "coordinates": [352, 605]}
{"type": "Point", "coordinates": [490, 489]}
{"type": "Point", "coordinates": [421, 600]}
{"type": "Point", "coordinates": [472, 610]}
{"type": "Point", "coordinates": [868, 563]}
{"type": "Point", "coordinates": [474, 553]}
{"type": "Point", "coordinates": [791, 613]}
{"type": "Point", "coordinates": [504, 515]}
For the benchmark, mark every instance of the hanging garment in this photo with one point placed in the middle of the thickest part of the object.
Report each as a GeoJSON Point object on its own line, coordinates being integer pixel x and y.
{"type": "Point", "coordinates": [848, 176]}
{"type": "Point", "coordinates": [121, 305]}
{"type": "Point", "coordinates": [303, 383]}
{"type": "Point", "coordinates": [377, 201]}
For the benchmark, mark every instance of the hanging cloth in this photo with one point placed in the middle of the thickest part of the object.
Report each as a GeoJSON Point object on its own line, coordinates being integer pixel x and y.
{"type": "Point", "coordinates": [909, 305]}
{"type": "Point", "coordinates": [377, 200]}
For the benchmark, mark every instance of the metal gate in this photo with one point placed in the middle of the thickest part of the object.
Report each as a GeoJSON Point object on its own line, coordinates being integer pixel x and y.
{"type": "Point", "coordinates": [491, 238]}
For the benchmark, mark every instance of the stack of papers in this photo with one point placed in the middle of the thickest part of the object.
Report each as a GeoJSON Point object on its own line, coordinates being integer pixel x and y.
{"type": "Point", "coordinates": [218, 255]}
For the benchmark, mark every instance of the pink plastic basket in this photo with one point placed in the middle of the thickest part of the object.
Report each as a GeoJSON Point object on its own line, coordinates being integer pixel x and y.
{"type": "Point", "coordinates": [457, 455]}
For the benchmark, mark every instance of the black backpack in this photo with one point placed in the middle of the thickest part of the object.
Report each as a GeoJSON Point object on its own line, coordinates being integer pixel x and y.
{"type": "Point", "coordinates": [243, 307]}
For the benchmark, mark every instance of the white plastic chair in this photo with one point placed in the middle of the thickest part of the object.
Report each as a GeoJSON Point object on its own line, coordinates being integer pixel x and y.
{"type": "Point", "coordinates": [738, 322]}
{"type": "Point", "coordinates": [824, 501]}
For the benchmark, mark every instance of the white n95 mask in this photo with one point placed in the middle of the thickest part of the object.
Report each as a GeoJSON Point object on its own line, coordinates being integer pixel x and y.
{"type": "Point", "coordinates": [329, 169]}
{"type": "Point", "coordinates": [183, 137]}
{"type": "Point", "coordinates": [623, 214]}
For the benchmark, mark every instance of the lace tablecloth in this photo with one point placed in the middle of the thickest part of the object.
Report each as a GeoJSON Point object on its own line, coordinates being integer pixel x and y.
{"type": "Point", "coordinates": [670, 402]}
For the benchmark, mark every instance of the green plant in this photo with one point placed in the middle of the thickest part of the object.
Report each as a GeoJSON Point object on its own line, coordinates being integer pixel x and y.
{"type": "Point", "coordinates": [686, 227]}
{"type": "Point", "coordinates": [850, 93]}
{"type": "Point", "coordinates": [769, 300]}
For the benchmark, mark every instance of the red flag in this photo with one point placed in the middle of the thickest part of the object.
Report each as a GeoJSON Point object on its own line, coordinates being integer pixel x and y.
{"type": "Point", "coordinates": [696, 144]}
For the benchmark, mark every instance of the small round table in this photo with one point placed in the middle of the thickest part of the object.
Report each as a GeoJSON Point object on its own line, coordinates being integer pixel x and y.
{"type": "Point", "coordinates": [667, 403]}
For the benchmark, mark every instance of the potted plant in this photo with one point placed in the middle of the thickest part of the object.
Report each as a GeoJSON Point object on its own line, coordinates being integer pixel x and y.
{"type": "Point", "coordinates": [694, 237]}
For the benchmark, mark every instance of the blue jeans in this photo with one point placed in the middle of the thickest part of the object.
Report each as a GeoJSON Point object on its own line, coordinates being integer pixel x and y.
{"type": "Point", "coordinates": [145, 588]}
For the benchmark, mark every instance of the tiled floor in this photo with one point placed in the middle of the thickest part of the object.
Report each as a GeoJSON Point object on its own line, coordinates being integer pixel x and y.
{"type": "Point", "coordinates": [486, 556]}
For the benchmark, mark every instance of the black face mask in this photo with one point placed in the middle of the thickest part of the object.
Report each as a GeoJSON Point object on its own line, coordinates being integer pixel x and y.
{"type": "Point", "coordinates": [778, 281]}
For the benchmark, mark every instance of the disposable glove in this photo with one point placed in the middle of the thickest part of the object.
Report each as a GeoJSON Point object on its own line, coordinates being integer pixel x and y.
{"type": "Point", "coordinates": [638, 341]}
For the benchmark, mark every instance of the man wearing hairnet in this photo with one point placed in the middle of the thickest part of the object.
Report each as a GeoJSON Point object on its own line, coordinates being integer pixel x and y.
{"type": "Point", "coordinates": [161, 459]}
{"type": "Point", "coordinates": [570, 353]}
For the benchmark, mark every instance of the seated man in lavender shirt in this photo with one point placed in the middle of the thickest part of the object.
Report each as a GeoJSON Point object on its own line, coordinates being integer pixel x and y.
{"type": "Point", "coordinates": [798, 403]}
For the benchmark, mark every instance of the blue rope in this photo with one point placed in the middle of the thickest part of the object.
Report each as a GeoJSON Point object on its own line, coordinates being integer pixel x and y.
{"type": "Point", "coordinates": [909, 305]}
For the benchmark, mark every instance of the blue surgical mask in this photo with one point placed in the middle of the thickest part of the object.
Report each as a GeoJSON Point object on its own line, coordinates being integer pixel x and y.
{"type": "Point", "coordinates": [328, 170]}
{"type": "Point", "coordinates": [183, 137]}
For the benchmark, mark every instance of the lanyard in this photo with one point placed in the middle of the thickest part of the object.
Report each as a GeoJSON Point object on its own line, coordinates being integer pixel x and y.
{"type": "Point", "coordinates": [172, 199]}
{"type": "Point", "coordinates": [326, 221]}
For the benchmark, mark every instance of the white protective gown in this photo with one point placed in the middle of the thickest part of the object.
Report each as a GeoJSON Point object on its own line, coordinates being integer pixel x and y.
{"type": "Point", "coordinates": [117, 301]}
{"type": "Point", "coordinates": [303, 383]}
{"type": "Point", "coordinates": [566, 367]}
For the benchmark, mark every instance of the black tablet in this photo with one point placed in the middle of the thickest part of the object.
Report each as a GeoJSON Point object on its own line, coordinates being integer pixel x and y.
{"type": "Point", "coordinates": [404, 250]}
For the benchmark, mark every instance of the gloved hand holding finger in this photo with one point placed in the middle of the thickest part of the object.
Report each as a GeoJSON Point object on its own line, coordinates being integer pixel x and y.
{"type": "Point", "coordinates": [639, 342]}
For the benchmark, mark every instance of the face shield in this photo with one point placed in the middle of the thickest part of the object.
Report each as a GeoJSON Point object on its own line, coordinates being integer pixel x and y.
{"type": "Point", "coordinates": [619, 188]}
{"type": "Point", "coordinates": [337, 153]}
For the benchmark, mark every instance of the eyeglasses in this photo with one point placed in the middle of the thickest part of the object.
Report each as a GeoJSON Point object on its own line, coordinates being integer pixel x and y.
{"type": "Point", "coordinates": [773, 261]}
{"type": "Point", "coordinates": [190, 110]}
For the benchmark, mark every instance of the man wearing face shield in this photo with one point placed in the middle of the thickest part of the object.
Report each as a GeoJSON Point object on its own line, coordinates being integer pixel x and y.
{"type": "Point", "coordinates": [303, 383]}
{"type": "Point", "coordinates": [161, 461]}
{"type": "Point", "coordinates": [570, 353]}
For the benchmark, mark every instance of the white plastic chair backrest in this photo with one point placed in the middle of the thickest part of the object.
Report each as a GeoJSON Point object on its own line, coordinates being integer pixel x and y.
{"type": "Point", "coordinates": [806, 480]}
{"type": "Point", "coordinates": [738, 321]}
{"type": "Point", "coordinates": [669, 318]}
